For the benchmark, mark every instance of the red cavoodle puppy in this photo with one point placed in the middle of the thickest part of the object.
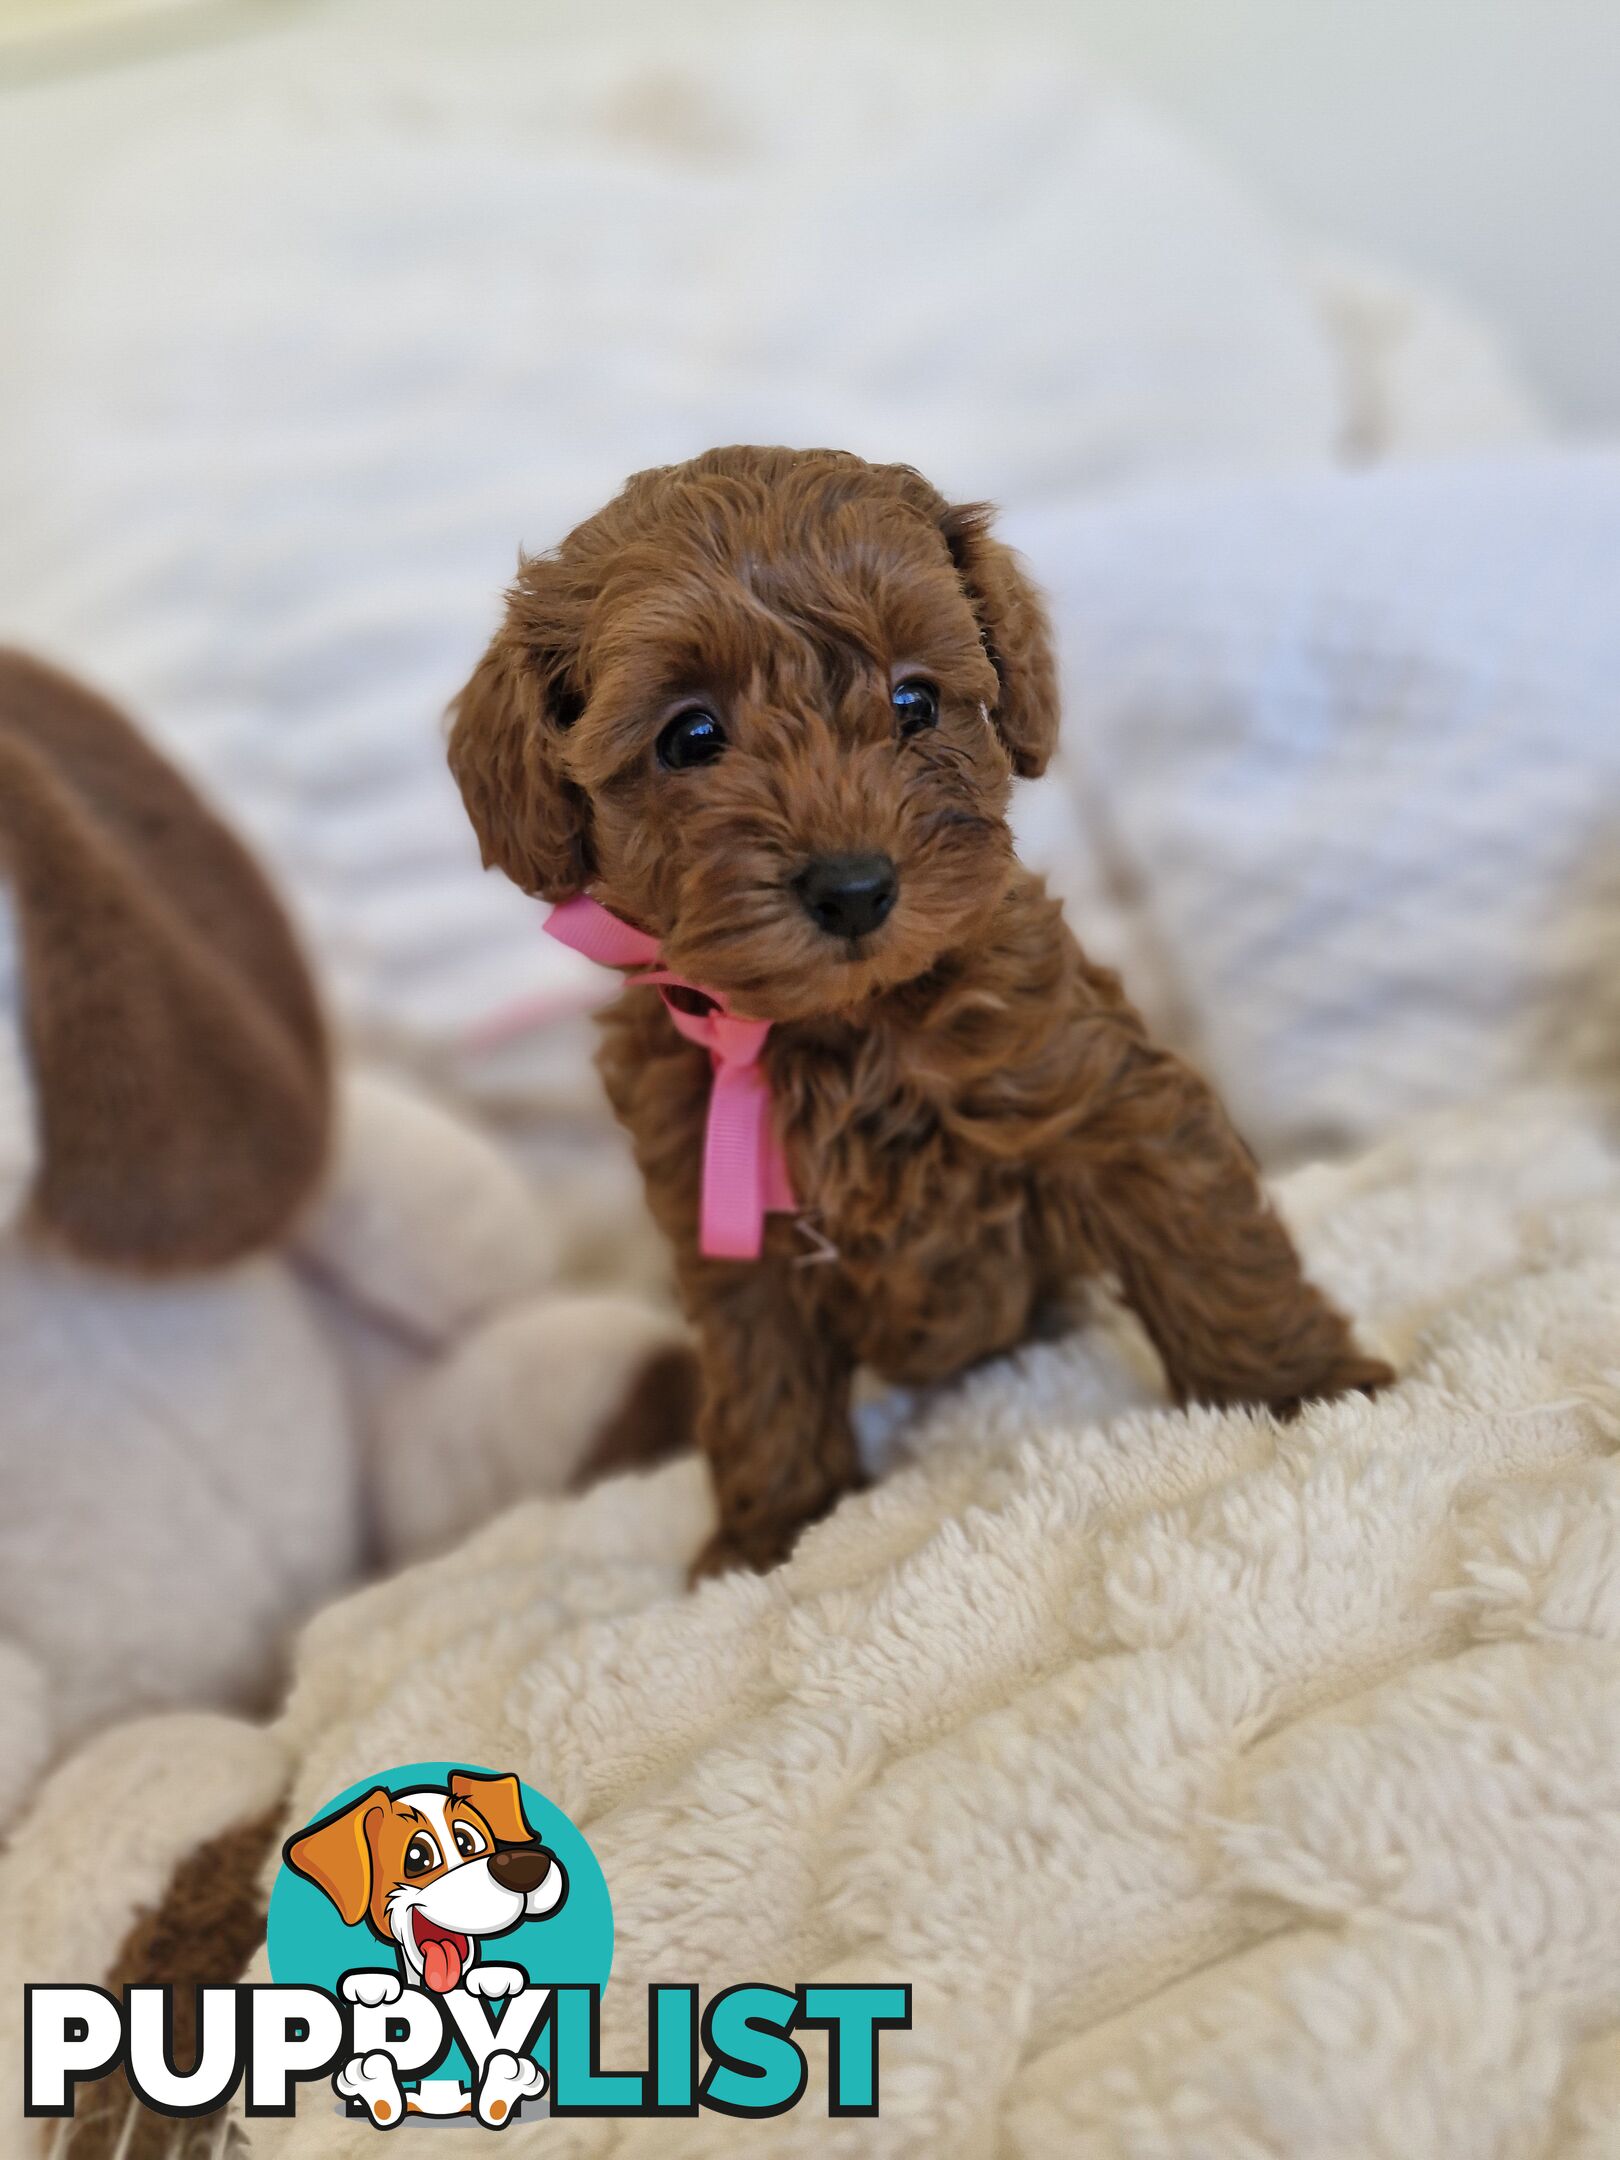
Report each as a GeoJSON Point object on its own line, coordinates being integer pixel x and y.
{"type": "Point", "coordinates": [767, 707]}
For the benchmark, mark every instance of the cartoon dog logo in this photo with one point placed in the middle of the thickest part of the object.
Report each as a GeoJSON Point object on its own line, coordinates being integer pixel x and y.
{"type": "Point", "coordinates": [435, 1873]}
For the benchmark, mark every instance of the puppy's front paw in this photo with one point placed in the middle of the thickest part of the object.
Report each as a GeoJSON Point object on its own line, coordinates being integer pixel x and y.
{"type": "Point", "coordinates": [495, 1981]}
{"type": "Point", "coordinates": [759, 1542]}
{"type": "Point", "coordinates": [757, 1552]}
{"type": "Point", "coordinates": [371, 1988]}
{"type": "Point", "coordinates": [370, 2082]}
{"type": "Point", "coordinates": [1351, 1374]}
{"type": "Point", "coordinates": [506, 2083]}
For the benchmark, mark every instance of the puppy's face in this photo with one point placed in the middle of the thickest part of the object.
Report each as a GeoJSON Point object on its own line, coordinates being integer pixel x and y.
{"type": "Point", "coordinates": [767, 706]}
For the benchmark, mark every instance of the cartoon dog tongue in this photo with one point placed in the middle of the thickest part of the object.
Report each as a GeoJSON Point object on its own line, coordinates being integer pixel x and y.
{"type": "Point", "coordinates": [443, 1956]}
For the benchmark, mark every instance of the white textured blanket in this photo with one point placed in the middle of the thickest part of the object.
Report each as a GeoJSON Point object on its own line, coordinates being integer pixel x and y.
{"type": "Point", "coordinates": [1222, 1789]}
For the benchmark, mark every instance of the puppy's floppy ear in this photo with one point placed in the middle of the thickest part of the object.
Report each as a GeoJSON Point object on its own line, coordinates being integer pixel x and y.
{"type": "Point", "coordinates": [336, 1855]}
{"type": "Point", "coordinates": [499, 1800]}
{"type": "Point", "coordinates": [506, 751]}
{"type": "Point", "coordinates": [1017, 636]}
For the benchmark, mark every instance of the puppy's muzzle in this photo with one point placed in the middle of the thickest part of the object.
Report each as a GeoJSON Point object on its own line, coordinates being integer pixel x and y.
{"type": "Point", "coordinates": [520, 1870]}
{"type": "Point", "coordinates": [848, 896]}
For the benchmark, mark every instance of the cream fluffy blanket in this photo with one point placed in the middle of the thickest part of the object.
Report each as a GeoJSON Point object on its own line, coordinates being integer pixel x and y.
{"type": "Point", "coordinates": [1222, 1789]}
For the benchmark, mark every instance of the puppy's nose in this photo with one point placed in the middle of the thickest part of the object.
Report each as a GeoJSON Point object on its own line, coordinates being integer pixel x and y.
{"type": "Point", "coordinates": [847, 895]}
{"type": "Point", "coordinates": [520, 1870]}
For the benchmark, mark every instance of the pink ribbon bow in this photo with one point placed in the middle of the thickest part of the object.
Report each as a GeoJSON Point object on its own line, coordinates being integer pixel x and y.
{"type": "Point", "coordinates": [745, 1171]}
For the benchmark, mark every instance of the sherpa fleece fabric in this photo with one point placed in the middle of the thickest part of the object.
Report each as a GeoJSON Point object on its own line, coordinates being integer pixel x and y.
{"type": "Point", "coordinates": [1223, 1789]}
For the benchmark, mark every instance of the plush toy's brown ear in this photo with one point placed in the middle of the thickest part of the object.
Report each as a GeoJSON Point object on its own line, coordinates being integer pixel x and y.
{"type": "Point", "coordinates": [506, 751]}
{"type": "Point", "coordinates": [1017, 636]}
{"type": "Point", "coordinates": [336, 1855]}
{"type": "Point", "coordinates": [499, 1800]}
{"type": "Point", "coordinates": [175, 1044]}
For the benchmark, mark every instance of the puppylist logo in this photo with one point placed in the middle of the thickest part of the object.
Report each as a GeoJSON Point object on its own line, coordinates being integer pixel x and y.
{"type": "Point", "coordinates": [439, 1939]}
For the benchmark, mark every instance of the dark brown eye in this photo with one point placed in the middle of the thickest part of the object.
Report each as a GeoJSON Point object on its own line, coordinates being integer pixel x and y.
{"type": "Point", "coordinates": [421, 1856]}
{"type": "Point", "coordinates": [916, 705]}
{"type": "Point", "coordinates": [692, 738]}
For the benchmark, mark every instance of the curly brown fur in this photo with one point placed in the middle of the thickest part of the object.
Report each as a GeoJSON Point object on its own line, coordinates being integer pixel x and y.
{"type": "Point", "coordinates": [974, 1115]}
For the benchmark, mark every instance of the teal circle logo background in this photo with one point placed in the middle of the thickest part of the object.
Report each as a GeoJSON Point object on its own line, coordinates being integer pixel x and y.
{"type": "Point", "coordinates": [309, 1945]}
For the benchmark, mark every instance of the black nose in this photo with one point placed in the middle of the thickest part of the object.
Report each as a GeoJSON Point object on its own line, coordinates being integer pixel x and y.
{"type": "Point", "coordinates": [521, 1868]}
{"type": "Point", "coordinates": [847, 895]}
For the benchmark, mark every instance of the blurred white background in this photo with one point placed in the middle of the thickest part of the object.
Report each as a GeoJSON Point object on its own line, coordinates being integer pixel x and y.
{"type": "Point", "coordinates": [1471, 141]}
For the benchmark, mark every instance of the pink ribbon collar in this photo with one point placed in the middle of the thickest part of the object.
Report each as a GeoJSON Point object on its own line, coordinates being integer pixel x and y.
{"type": "Point", "coordinates": [745, 1172]}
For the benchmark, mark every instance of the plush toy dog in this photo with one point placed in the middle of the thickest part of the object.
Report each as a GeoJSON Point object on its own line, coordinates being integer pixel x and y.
{"type": "Point", "coordinates": [264, 1317]}
{"type": "Point", "coordinates": [765, 710]}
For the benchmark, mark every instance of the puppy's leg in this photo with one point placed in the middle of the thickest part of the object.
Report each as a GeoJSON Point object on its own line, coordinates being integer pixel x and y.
{"type": "Point", "coordinates": [1175, 1204]}
{"type": "Point", "coordinates": [773, 1384]}
{"type": "Point", "coordinates": [774, 1414]}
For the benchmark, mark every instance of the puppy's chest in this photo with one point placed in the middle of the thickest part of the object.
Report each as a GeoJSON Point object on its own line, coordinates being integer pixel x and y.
{"type": "Point", "coordinates": [878, 1160]}
{"type": "Point", "coordinates": [924, 1252]}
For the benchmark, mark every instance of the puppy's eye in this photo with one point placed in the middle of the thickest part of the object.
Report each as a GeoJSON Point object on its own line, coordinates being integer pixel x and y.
{"type": "Point", "coordinates": [421, 1855]}
{"type": "Point", "coordinates": [916, 705]}
{"type": "Point", "coordinates": [694, 737]}
{"type": "Point", "coordinates": [468, 1843]}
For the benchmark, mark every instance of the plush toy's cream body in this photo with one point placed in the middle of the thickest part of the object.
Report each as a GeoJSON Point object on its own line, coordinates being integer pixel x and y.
{"type": "Point", "coordinates": [212, 1415]}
